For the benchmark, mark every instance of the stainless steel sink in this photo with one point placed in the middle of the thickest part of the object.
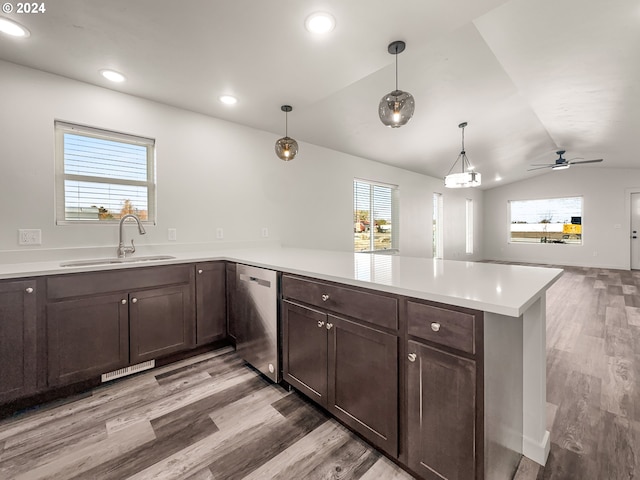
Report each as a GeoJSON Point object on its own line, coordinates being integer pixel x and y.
{"type": "Point", "coordinates": [109, 261]}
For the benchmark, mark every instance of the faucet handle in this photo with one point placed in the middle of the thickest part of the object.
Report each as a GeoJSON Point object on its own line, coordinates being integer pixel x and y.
{"type": "Point", "coordinates": [133, 247]}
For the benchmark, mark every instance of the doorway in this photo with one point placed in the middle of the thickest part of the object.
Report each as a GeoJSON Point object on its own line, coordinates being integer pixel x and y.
{"type": "Point", "coordinates": [635, 231]}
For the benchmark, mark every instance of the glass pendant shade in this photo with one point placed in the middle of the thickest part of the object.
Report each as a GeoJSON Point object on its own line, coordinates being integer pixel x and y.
{"type": "Point", "coordinates": [286, 148]}
{"type": "Point", "coordinates": [463, 180]}
{"type": "Point", "coordinates": [396, 108]}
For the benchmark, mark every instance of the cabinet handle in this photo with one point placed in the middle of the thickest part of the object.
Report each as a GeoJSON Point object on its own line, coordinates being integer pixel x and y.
{"type": "Point", "coordinates": [200, 272]}
{"type": "Point", "coordinates": [28, 290]}
{"type": "Point", "coordinates": [329, 325]}
{"type": "Point", "coordinates": [320, 324]}
{"type": "Point", "coordinates": [325, 297]}
{"type": "Point", "coordinates": [123, 301]}
{"type": "Point", "coordinates": [412, 357]}
{"type": "Point", "coordinates": [435, 326]}
{"type": "Point", "coordinates": [134, 300]}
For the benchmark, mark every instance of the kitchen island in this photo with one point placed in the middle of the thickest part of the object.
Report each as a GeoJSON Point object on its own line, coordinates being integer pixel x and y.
{"type": "Point", "coordinates": [510, 298]}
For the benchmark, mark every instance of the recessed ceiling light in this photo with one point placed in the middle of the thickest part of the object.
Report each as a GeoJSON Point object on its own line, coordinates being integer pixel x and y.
{"type": "Point", "coordinates": [228, 99]}
{"type": "Point", "coordinates": [13, 28]}
{"type": "Point", "coordinates": [113, 76]}
{"type": "Point", "coordinates": [320, 22]}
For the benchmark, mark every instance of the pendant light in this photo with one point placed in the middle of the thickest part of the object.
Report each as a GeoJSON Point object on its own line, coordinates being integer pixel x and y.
{"type": "Point", "coordinates": [286, 147]}
{"type": "Point", "coordinates": [465, 178]}
{"type": "Point", "coordinates": [396, 108]}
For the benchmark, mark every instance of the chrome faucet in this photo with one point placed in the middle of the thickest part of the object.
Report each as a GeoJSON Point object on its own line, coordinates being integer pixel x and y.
{"type": "Point", "coordinates": [122, 250]}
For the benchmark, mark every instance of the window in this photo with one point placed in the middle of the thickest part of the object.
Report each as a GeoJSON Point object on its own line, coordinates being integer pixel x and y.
{"type": "Point", "coordinates": [550, 220]}
{"type": "Point", "coordinates": [102, 175]}
{"type": "Point", "coordinates": [469, 226]}
{"type": "Point", "coordinates": [438, 232]}
{"type": "Point", "coordinates": [375, 226]}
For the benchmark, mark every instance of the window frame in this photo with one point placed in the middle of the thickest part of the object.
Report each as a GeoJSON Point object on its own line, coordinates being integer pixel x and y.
{"type": "Point", "coordinates": [395, 216]}
{"type": "Point", "coordinates": [60, 129]}
{"type": "Point", "coordinates": [562, 234]}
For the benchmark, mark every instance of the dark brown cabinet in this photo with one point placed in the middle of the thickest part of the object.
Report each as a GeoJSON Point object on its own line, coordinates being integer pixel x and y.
{"type": "Point", "coordinates": [232, 309]}
{"type": "Point", "coordinates": [102, 321]}
{"type": "Point", "coordinates": [87, 337]}
{"type": "Point", "coordinates": [441, 415]}
{"type": "Point", "coordinates": [348, 368]}
{"type": "Point", "coordinates": [211, 316]}
{"type": "Point", "coordinates": [444, 391]}
{"type": "Point", "coordinates": [160, 322]}
{"type": "Point", "coordinates": [18, 313]}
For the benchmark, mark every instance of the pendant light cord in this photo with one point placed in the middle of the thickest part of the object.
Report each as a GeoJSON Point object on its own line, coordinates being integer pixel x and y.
{"type": "Point", "coordinates": [396, 68]}
{"type": "Point", "coordinates": [286, 124]}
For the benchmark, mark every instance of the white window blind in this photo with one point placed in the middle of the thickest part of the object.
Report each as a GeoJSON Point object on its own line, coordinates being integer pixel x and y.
{"type": "Point", "coordinates": [375, 216]}
{"type": "Point", "coordinates": [102, 175]}
{"type": "Point", "coordinates": [469, 226]}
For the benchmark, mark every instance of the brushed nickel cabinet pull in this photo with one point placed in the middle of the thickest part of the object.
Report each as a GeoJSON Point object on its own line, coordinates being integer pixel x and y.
{"type": "Point", "coordinates": [325, 297]}
{"type": "Point", "coordinates": [320, 324]}
{"type": "Point", "coordinates": [412, 357]}
{"type": "Point", "coordinates": [134, 300]}
{"type": "Point", "coordinates": [435, 326]}
{"type": "Point", "coordinates": [29, 290]}
{"type": "Point", "coordinates": [329, 325]}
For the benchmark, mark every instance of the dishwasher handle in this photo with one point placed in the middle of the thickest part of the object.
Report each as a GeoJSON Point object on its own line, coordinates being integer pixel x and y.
{"type": "Point", "coordinates": [259, 281]}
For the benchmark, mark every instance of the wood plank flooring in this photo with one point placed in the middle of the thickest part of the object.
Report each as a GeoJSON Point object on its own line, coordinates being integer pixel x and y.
{"type": "Point", "coordinates": [208, 417]}
{"type": "Point", "coordinates": [593, 377]}
{"type": "Point", "coordinates": [212, 417]}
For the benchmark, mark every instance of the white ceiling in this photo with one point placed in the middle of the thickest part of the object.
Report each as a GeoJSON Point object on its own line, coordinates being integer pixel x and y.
{"type": "Point", "coordinates": [529, 76]}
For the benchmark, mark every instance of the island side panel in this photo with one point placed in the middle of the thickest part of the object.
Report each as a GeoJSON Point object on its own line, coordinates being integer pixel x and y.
{"type": "Point", "coordinates": [503, 392]}
{"type": "Point", "coordinates": [535, 441]}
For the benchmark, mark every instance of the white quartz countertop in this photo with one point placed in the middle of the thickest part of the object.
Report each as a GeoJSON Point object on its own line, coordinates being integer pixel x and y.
{"type": "Point", "coordinates": [496, 288]}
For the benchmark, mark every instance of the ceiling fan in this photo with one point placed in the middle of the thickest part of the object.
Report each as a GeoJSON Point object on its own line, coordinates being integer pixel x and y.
{"type": "Point", "coordinates": [561, 163]}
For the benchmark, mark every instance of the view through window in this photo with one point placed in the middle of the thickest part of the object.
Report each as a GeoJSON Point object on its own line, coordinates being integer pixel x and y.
{"type": "Point", "coordinates": [103, 175]}
{"type": "Point", "coordinates": [374, 216]}
{"type": "Point", "coordinates": [549, 220]}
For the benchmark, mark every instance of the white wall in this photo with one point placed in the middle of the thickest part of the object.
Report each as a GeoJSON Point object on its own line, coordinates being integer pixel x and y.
{"type": "Point", "coordinates": [605, 220]}
{"type": "Point", "coordinates": [210, 173]}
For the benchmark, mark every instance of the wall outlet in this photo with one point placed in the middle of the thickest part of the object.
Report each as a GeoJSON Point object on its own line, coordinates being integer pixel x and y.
{"type": "Point", "coordinates": [219, 233]}
{"type": "Point", "coordinates": [265, 232]}
{"type": "Point", "coordinates": [29, 236]}
{"type": "Point", "coordinates": [172, 234]}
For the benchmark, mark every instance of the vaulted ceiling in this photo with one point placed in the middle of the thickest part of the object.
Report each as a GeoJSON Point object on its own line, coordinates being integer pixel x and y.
{"type": "Point", "coordinates": [529, 76]}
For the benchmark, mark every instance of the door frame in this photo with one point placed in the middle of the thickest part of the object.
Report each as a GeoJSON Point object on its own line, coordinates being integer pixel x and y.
{"type": "Point", "coordinates": [627, 211]}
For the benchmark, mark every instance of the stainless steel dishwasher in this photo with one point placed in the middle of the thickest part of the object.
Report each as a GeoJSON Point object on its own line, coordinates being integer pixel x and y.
{"type": "Point", "coordinates": [257, 319]}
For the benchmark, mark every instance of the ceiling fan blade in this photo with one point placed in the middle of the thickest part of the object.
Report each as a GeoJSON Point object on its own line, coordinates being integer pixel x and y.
{"type": "Point", "coordinates": [539, 168]}
{"type": "Point", "coordinates": [586, 161]}
{"type": "Point", "coordinates": [542, 164]}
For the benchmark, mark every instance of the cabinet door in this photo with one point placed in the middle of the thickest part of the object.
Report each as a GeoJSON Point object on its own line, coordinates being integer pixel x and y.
{"type": "Point", "coordinates": [86, 338]}
{"type": "Point", "coordinates": [363, 381]}
{"type": "Point", "coordinates": [441, 394]}
{"type": "Point", "coordinates": [17, 339]}
{"type": "Point", "coordinates": [304, 351]}
{"type": "Point", "coordinates": [211, 315]}
{"type": "Point", "coordinates": [161, 322]}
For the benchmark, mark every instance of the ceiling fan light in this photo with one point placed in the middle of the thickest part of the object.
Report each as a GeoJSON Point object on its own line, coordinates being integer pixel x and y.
{"type": "Point", "coordinates": [560, 166]}
{"type": "Point", "coordinates": [396, 108]}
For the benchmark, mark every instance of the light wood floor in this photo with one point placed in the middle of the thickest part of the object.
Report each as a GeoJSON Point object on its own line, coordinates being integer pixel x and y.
{"type": "Point", "coordinates": [593, 377]}
{"type": "Point", "coordinates": [211, 417]}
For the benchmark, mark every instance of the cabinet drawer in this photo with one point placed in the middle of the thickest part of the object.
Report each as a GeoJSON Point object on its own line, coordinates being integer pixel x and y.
{"type": "Point", "coordinates": [447, 327]}
{"type": "Point", "coordinates": [94, 283]}
{"type": "Point", "coordinates": [369, 307]}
